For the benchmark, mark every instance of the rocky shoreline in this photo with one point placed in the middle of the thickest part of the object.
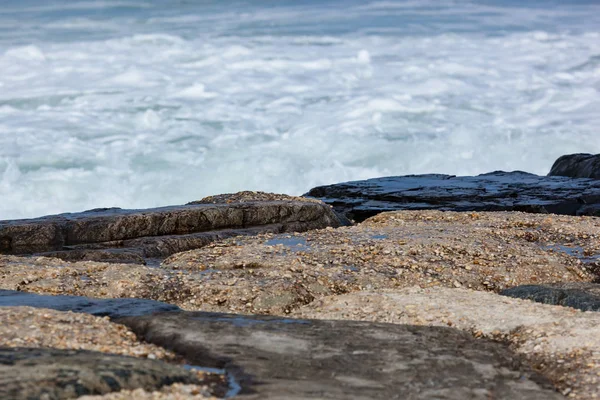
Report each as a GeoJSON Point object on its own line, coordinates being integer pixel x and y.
{"type": "Point", "coordinates": [283, 297]}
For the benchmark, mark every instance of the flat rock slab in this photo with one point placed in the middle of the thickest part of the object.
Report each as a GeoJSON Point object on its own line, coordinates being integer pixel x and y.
{"type": "Point", "coordinates": [282, 358]}
{"type": "Point", "coordinates": [117, 235]}
{"type": "Point", "coordinates": [52, 374]}
{"type": "Point", "coordinates": [577, 166]}
{"type": "Point", "coordinates": [580, 295]}
{"type": "Point", "coordinates": [113, 308]}
{"type": "Point", "coordinates": [496, 191]}
{"type": "Point", "coordinates": [560, 342]}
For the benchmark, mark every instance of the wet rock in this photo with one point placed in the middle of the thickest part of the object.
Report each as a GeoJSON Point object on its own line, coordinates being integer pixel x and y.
{"type": "Point", "coordinates": [117, 235]}
{"type": "Point", "coordinates": [577, 166]}
{"type": "Point", "coordinates": [113, 308]}
{"type": "Point", "coordinates": [495, 191]}
{"type": "Point", "coordinates": [38, 373]}
{"type": "Point", "coordinates": [579, 295]}
{"type": "Point", "coordinates": [284, 358]}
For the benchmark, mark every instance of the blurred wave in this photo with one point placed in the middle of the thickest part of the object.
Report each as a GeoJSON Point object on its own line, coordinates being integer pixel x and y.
{"type": "Point", "coordinates": [147, 103]}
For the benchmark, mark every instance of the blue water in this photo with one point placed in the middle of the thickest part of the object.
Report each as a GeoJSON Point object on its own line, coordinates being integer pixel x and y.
{"type": "Point", "coordinates": [147, 103]}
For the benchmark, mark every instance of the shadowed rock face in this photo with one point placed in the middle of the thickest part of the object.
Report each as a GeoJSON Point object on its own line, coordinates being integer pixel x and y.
{"type": "Point", "coordinates": [577, 166]}
{"type": "Point", "coordinates": [280, 358]}
{"type": "Point", "coordinates": [39, 373]}
{"type": "Point", "coordinates": [496, 191]}
{"type": "Point", "coordinates": [117, 235]}
{"type": "Point", "coordinates": [580, 295]}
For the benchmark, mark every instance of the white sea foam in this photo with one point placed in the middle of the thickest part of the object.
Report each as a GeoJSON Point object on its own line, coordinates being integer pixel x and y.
{"type": "Point", "coordinates": [151, 104]}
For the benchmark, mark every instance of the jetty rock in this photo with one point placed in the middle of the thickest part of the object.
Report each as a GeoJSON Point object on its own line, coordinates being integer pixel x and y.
{"type": "Point", "coordinates": [405, 274]}
{"type": "Point", "coordinates": [143, 236]}
{"type": "Point", "coordinates": [581, 165]}
{"type": "Point", "coordinates": [494, 191]}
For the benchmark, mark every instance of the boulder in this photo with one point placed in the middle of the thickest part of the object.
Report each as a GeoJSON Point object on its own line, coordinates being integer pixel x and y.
{"type": "Point", "coordinates": [138, 236]}
{"type": "Point", "coordinates": [580, 295]}
{"type": "Point", "coordinates": [495, 191]}
{"type": "Point", "coordinates": [580, 165]}
{"type": "Point", "coordinates": [284, 358]}
{"type": "Point", "coordinates": [43, 373]}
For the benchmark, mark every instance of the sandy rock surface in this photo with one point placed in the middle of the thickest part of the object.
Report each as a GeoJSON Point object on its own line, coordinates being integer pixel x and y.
{"type": "Point", "coordinates": [250, 196]}
{"type": "Point", "coordinates": [43, 328]}
{"type": "Point", "coordinates": [560, 342]}
{"type": "Point", "coordinates": [409, 267]}
{"type": "Point", "coordinates": [278, 273]}
{"type": "Point", "coordinates": [35, 327]}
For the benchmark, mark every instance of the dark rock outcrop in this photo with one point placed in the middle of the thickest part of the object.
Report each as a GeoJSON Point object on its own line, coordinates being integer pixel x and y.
{"type": "Point", "coordinates": [583, 296]}
{"type": "Point", "coordinates": [579, 165]}
{"type": "Point", "coordinates": [113, 308]}
{"type": "Point", "coordinates": [300, 359]}
{"type": "Point", "coordinates": [117, 235]}
{"type": "Point", "coordinates": [41, 373]}
{"type": "Point", "coordinates": [495, 191]}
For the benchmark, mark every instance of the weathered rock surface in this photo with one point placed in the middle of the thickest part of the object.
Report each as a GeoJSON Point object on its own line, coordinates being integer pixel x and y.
{"type": "Point", "coordinates": [41, 327]}
{"type": "Point", "coordinates": [579, 295]}
{"type": "Point", "coordinates": [496, 191]}
{"type": "Point", "coordinates": [177, 391]}
{"type": "Point", "coordinates": [278, 273]}
{"type": "Point", "coordinates": [36, 373]}
{"type": "Point", "coordinates": [136, 235]}
{"type": "Point", "coordinates": [279, 358]}
{"type": "Point", "coordinates": [577, 166]}
{"type": "Point", "coordinates": [113, 308]}
{"type": "Point", "coordinates": [560, 342]}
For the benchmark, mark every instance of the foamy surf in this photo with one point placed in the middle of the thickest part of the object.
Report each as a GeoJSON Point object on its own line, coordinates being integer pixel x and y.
{"type": "Point", "coordinates": [141, 104]}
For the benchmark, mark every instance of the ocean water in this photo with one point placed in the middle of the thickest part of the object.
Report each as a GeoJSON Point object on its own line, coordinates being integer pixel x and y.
{"type": "Point", "coordinates": [157, 102]}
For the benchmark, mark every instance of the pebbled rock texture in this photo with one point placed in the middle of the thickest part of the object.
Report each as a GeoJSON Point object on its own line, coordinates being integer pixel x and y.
{"type": "Point", "coordinates": [134, 236]}
{"type": "Point", "coordinates": [53, 374]}
{"type": "Point", "coordinates": [495, 191]}
{"type": "Point", "coordinates": [283, 358]}
{"type": "Point", "coordinates": [580, 295]}
{"type": "Point", "coordinates": [269, 274]}
{"type": "Point", "coordinates": [577, 166]}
